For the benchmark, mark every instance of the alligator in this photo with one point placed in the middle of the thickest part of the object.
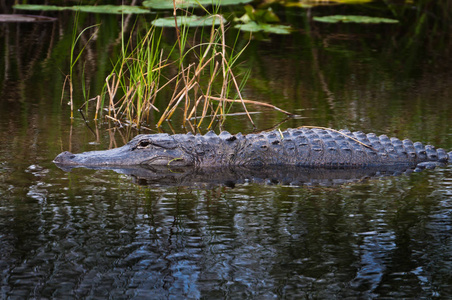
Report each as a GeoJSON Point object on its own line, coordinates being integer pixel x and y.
{"type": "Point", "coordinates": [303, 147]}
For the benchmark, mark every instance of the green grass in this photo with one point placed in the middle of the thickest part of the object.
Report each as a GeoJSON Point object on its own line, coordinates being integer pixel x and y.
{"type": "Point", "coordinates": [198, 72]}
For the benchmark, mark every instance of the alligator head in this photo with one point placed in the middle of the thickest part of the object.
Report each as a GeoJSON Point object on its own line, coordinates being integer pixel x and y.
{"type": "Point", "coordinates": [155, 149]}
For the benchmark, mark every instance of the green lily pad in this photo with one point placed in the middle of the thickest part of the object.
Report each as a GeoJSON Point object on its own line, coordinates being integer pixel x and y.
{"type": "Point", "coordinates": [114, 9]}
{"type": "Point", "coordinates": [39, 7]}
{"type": "Point", "coordinates": [353, 19]}
{"type": "Point", "coordinates": [270, 28]}
{"type": "Point", "coordinates": [168, 4]}
{"type": "Point", "coordinates": [191, 21]}
{"type": "Point", "coordinates": [352, 1]}
{"type": "Point", "coordinates": [102, 9]}
{"type": "Point", "coordinates": [260, 15]}
{"type": "Point", "coordinates": [313, 3]}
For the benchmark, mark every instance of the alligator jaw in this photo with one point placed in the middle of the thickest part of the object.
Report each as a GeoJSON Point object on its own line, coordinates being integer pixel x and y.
{"type": "Point", "coordinates": [88, 159]}
{"type": "Point", "coordinates": [122, 156]}
{"type": "Point", "coordinates": [117, 156]}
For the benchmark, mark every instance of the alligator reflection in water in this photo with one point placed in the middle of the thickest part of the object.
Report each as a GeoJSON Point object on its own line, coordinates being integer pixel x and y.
{"type": "Point", "coordinates": [287, 175]}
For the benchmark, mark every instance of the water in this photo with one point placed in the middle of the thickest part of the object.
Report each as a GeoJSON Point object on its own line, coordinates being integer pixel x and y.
{"type": "Point", "coordinates": [99, 234]}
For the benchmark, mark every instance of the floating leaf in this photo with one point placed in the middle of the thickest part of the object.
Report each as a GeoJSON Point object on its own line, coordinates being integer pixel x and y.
{"type": "Point", "coordinates": [39, 7]}
{"type": "Point", "coordinates": [313, 3]}
{"type": "Point", "coordinates": [113, 9]}
{"type": "Point", "coordinates": [267, 15]}
{"type": "Point", "coordinates": [353, 19]}
{"type": "Point", "coordinates": [352, 1]}
{"type": "Point", "coordinates": [250, 26]}
{"type": "Point", "coordinates": [168, 4]}
{"type": "Point", "coordinates": [270, 28]}
{"type": "Point", "coordinates": [260, 15]}
{"type": "Point", "coordinates": [276, 28]}
{"type": "Point", "coordinates": [191, 21]}
{"type": "Point", "coordinates": [103, 9]}
{"type": "Point", "coordinates": [25, 18]}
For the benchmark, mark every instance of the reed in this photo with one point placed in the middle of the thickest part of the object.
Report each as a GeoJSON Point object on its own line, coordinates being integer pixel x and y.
{"type": "Point", "coordinates": [205, 84]}
{"type": "Point", "coordinates": [74, 59]}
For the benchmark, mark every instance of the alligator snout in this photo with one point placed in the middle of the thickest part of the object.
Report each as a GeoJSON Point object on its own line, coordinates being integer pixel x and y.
{"type": "Point", "coordinates": [64, 157]}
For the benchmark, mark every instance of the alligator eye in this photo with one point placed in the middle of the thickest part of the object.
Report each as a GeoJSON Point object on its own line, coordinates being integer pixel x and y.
{"type": "Point", "coordinates": [143, 144]}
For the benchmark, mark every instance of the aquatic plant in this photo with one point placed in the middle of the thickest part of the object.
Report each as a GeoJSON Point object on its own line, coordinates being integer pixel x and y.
{"type": "Point", "coordinates": [262, 19]}
{"type": "Point", "coordinates": [204, 85]}
{"type": "Point", "coordinates": [103, 9]}
{"type": "Point", "coordinates": [354, 19]}
{"type": "Point", "coordinates": [74, 59]}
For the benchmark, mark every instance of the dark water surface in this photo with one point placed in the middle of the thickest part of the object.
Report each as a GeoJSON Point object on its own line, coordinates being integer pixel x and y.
{"type": "Point", "coordinates": [99, 234]}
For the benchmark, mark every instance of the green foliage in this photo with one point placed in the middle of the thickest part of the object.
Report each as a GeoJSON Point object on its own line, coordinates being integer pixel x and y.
{"type": "Point", "coordinates": [168, 4]}
{"type": "Point", "coordinates": [354, 19]}
{"type": "Point", "coordinates": [314, 3]}
{"type": "Point", "coordinates": [269, 28]}
{"type": "Point", "coordinates": [190, 21]}
{"type": "Point", "coordinates": [203, 86]}
{"type": "Point", "coordinates": [259, 20]}
{"type": "Point", "coordinates": [103, 9]}
{"type": "Point", "coordinates": [74, 58]}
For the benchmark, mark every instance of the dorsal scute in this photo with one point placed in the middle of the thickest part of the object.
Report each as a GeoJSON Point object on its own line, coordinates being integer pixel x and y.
{"type": "Point", "coordinates": [225, 135]}
{"type": "Point", "coordinates": [210, 134]}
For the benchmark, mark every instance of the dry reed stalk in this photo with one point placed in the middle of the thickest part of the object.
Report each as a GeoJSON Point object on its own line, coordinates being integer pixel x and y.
{"type": "Point", "coordinates": [215, 114]}
{"type": "Point", "coordinates": [130, 106]}
{"type": "Point", "coordinates": [111, 93]}
{"type": "Point", "coordinates": [252, 102]}
{"type": "Point", "coordinates": [224, 64]}
{"type": "Point", "coordinates": [240, 95]}
{"type": "Point", "coordinates": [148, 103]}
{"type": "Point", "coordinates": [185, 90]}
{"type": "Point", "coordinates": [187, 97]}
{"type": "Point", "coordinates": [344, 134]}
{"type": "Point", "coordinates": [125, 101]}
{"type": "Point", "coordinates": [204, 112]}
{"type": "Point", "coordinates": [175, 96]}
{"type": "Point", "coordinates": [229, 114]}
{"type": "Point", "coordinates": [187, 86]}
{"type": "Point", "coordinates": [193, 110]}
{"type": "Point", "coordinates": [192, 128]}
{"type": "Point", "coordinates": [209, 86]}
{"type": "Point", "coordinates": [97, 107]}
{"type": "Point", "coordinates": [114, 119]}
